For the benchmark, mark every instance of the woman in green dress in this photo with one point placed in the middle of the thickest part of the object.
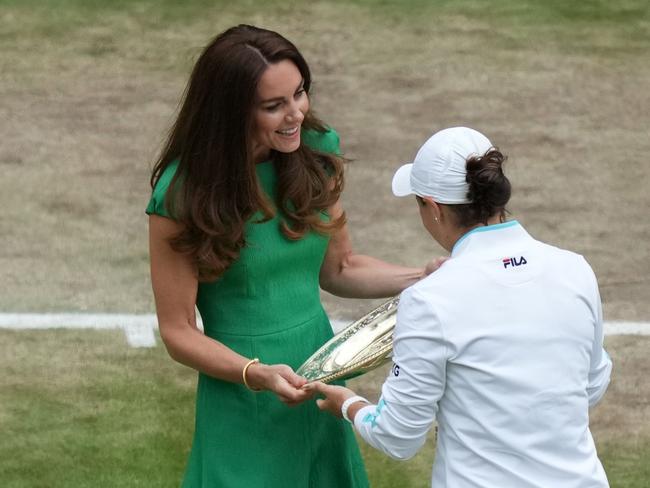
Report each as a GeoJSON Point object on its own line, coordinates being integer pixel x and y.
{"type": "Point", "coordinates": [245, 225]}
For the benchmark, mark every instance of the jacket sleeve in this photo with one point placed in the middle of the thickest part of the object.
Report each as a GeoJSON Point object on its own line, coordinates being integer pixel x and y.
{"type": "Point", "coordinates": [600, 368]}
{"type": "Point", "coordinates": [399, 423]}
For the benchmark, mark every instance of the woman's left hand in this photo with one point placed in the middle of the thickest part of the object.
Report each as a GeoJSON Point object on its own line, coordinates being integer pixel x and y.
{"type": "Point", "coordinates": [334, 396]}
{"type": "Point", "coordinates": [434, 264]}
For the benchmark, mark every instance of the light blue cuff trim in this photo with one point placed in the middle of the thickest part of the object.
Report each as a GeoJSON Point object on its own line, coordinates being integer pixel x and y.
{"type": "Point", "coordinates": [371, 418]}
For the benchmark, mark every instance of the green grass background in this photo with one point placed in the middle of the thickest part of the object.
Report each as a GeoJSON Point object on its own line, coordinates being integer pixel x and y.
{"type": "Point", "coordinates": [89, 89]}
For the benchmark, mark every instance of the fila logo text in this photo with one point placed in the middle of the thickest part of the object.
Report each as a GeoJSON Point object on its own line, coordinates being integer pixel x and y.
{"type": "Point", "coordinates": [514, 261]}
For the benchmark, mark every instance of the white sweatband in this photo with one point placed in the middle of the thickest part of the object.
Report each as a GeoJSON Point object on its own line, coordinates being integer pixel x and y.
{"type": "Point", "coordinates": [348, 402]}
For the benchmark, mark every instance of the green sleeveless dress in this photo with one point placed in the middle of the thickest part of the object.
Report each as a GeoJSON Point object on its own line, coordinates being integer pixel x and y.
{"type": "Point", "coordinates": [267, 305]}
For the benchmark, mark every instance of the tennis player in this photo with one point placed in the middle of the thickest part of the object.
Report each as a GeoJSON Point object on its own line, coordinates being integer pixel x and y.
{"type": "Point", "coordinates": [502, 346]}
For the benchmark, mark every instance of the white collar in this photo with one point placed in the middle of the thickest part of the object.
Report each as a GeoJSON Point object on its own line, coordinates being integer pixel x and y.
{"type": "Point", "coordinates": [489, 236]}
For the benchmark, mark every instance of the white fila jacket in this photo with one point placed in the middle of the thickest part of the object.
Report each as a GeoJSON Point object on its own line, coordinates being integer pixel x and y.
{"type": "Point", "coordinates": [503, 347]}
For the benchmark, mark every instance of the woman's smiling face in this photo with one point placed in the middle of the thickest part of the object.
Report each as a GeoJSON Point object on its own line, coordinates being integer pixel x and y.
{"type": "Point", "coordinates": [280, 108]}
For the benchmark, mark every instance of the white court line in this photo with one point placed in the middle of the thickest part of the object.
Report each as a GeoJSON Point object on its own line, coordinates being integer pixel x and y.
{"type": "Point", "coordinates": [627, 328]}
{"type": "Point", "coordinates": [139, 328]}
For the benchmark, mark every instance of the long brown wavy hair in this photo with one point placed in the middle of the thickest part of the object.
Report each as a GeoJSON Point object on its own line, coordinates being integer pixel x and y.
{"type": "Point", "coordinates": [215, 189]}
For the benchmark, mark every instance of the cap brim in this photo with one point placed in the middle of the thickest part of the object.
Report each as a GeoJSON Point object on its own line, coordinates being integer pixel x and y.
{"type": "Point", "coordinates": [402, 181]}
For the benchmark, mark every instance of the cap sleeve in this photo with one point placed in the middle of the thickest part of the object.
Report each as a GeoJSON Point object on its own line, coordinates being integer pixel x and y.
{"type": "Point", "coordinates": [327, 142]}
{"type": "Point", "coordinates": [156, 204]}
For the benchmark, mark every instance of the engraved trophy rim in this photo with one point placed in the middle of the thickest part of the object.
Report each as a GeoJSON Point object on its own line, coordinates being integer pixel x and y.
{"type": "Point", "coordinates": [362, 346]}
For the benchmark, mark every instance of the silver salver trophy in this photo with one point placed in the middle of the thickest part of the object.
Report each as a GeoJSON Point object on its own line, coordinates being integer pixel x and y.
{"type": "Point", "coordinates": [362, 346]}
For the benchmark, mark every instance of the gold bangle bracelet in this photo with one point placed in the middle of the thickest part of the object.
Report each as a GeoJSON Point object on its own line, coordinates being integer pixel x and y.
{"type": "Point", "coordinates": [243, 374]}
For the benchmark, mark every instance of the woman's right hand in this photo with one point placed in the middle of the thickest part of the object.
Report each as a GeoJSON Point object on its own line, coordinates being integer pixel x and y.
{"type": "Point", "coordinates": [281, 380]}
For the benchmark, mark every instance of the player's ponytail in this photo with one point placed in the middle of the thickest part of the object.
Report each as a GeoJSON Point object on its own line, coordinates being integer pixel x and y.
{"type": "Point", "coordinates": [489, 189]}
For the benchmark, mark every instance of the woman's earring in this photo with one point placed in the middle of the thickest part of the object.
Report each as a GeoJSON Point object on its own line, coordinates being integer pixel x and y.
{"type": "Point", "coordinates": [436, 219]}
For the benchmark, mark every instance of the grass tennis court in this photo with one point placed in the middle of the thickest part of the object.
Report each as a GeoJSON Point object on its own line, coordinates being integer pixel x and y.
{"type": "Point", "coordinates": [81, 409]}
{"type": "Point", "coordinates": [88, 88]}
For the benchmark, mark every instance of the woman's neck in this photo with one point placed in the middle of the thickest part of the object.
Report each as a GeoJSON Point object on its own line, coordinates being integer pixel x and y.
{"type": "Point", "coordinates": [461, 231]}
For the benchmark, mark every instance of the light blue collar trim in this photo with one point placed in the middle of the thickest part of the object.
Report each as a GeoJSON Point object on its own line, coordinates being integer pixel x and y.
{"type": "Point", "coordinates": [485, 228]}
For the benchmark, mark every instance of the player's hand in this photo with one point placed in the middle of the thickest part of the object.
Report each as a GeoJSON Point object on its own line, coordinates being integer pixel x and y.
{"type": "Point", "coordinates": [334, 396]}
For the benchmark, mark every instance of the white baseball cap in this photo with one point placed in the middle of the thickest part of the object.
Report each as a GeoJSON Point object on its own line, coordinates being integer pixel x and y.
{"type": "Point", "coordinates": [439, 168]}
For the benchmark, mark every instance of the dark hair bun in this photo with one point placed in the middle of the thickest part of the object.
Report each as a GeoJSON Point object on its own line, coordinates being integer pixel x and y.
{"type": "Point", "coordinates": [489, 189]}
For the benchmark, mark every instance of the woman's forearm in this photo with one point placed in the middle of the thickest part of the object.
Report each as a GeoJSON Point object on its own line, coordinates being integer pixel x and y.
{"type": "Point", "coordinates": [360, 276]}
{"type": "Point", "coordinates": [189, 346]}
